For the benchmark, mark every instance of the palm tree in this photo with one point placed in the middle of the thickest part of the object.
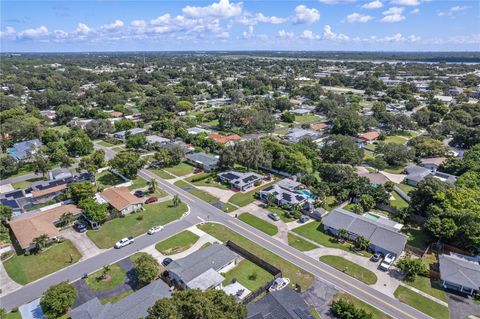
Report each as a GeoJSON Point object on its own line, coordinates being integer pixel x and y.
{"type": "Point", "coordinates": [362, 243]}
{"type": "Point", "coordinates": [41, 241]}
{"type": "Point", "coordinates": [342, 234]}
{"type": "Point", "coordinates": [66, 218]}
{"type": "Point", "coordinates": [153, 186]}
{"type": "Point", "coordinates": [176, 200]}
{"type": "Point", "coordinates": [270, 199]}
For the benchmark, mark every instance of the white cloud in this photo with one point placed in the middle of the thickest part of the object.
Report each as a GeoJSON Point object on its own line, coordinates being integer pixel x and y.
{"type": "Point", "coordinates": [337, 1]}
{"type": "Point", "coordinates": [82, 28]}
{"type": "Point", "coordinates": [357, 17]}
{"type": "Point", "coordinates": [260, 17]}
{"type": "Point", "coordinates": [328, 34]}
{"type": "Point", "coordinates": [285, 34]}
{"type": "Point", "coordinates": [465, 39]}
{"type": "Point", "coordinates": [453, 11]}
{"type": "Point", "coordinates": [373, 5]}
{"type": "Point", "coordinates": [407, 2]}
{"type": "Point", "coordinates": [393, 14]}
{"type": "Point", "coordinates": [138, 23]}
{"type": "Point", "coordinates": [9, 32]}
{"type": "Point", "coordinates": [161, 20]}
{"type": "Point", "coordinates": [249, 33]}
{"type": "Point", "coordinates": [115, 25]}
{"type": "Point", "coordinates": [33, 33]}
{"type": "Point", "coordinates": [415, 11]}
{"type": "Point", "coordinates": [303, 14]}
{"type": "Point", "coordinates": [309, 35]}
{"type": "Point", "coordinates": [222, 9]}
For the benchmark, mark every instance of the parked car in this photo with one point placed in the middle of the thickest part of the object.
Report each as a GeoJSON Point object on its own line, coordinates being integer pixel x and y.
{"type": "Point", "coordinates": [304, 219]}
{"type": "Point", "coordinates": [197, 170]}
{"type": "Point", "coordinates": [376, 257]}
{"type": "Point", "coordinates": [139, 194]}
{"type": "Point", "coordinates": [151, 200]}
{"type": "Point", "coordinates": [387, 261]}
{"type": "Point", "coordinates": [273, 216]}
{"type": "Point", "coordinates": [166, 261]}
{"type": "Point", "coordinates": [289, 215]}
{"type": "Point", "coordinates": [124, 242]}
{"type": "Point", "coordinates": [279, 284]}
{"type": "Point", "coordinates": [80, 227]}
{"type": "Point", "coordinates": [154, 229]}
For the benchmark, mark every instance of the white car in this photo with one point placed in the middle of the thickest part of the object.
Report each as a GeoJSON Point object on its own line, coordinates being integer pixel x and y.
{"type": "Point", "coordinates": [154, 229]}
{"type": "Point", "coordinates": [387, 262]}
{"type": "Point", "coordinates": [124, 242]}
{"type": "Point", "coordinates": [279, 284]}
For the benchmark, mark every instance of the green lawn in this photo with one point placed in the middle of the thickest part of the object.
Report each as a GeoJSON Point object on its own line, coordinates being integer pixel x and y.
{"type": "Point", "coordinates": [131, 225]}
{"type": "Point", "coordinates": [118, 149]}
{"type": "Point", "coordinates": [300, 243]}
{"type": "Point", "coordinates": [13, 315]}
{"type": "Point", "coordinates": [426, 285]}
{"type": "Point", "coordinates": [180, 169]}
{"type": "Point", "coordinates": [330, 202]}
{"type": "Point", "coordinates": [377, 314]}
{"type": "Point", "coordinates": [107, 179]}
{"type": "Point", "coordinates": [117, 298]}
{"type": "Point", "coordinates": [395, 169]}
{"type": "Point", "coordinates": [212, 123]}
{"type": "Point", "coordinates": [228, 208]}
{"type": "Point", "coordinates": [161, 173]}
{"type": "Point", "coordinates": [248, 274]}
{"type": "Point", "coordinates": [297, 275]}
{"type": "Point", "coordinates": [398, 203]}
{"type": "Point", "coordinates": [306, 118]}
{"type": "Point", "coordinates": [243, 199]}
{"type": "Point", "coordinates": [314, 231]}
{"type": "Point", "coordinates": [395, 139]}
{"type": "Point", "coordinates": [417, 237]}
{"type": "Point", "coordinates": [24, 269]}
{"type": "Point", "coordinates": [406, 188]}
{"type": "Point", "coordinates": [352, 269]}
{"type": "Point", "coordinates": [259, 223]}
{"type": "Point", "coordinates": [138, 182]}
{"type": "Point", "coordinates": [207, 197]}
{"type": "Point", "coordinates": [25, 184]}
{"type": "Point", "coordinates": [368, 155]}
{"type": "Point", "coordinates": [177, 243]}
{"type": "Point", "coordinates": [117, 276]}
{"type": "Point", "coordinates": [105, 144]}
{"type": "Point", "coordinates": [206, 179]}
{"type": "Point", "coordinates": [282, 132]}
{"type": "Point", "coordinates": [281, 213]}
{"type": "Point", "coordinates": [423, 304]}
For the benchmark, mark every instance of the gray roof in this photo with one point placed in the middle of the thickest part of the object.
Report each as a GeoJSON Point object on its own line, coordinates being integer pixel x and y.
{"type": "Point", "coordinates": [208, 279]}
{"type": "Point", "coordinates": [157, 139]}
{"type": "Point", "coordinates": [203, 159]}
{"type": "Point", "coordinates": [288, 183]}
{"type": "Point", "coordinates": [240, 179]}
{"type": "Point", "coordinates": [460, 270]}
{"type": "Point", "coordinates": [297, 134]}
{"type": "Point", "coordinates": [283, 194]}
{"type": "Point", "coordinates": [282, 304]}
{"type": "Point", "coordinates": [379, 234]}
{"type": "Point", "coordinates": [192, 266]}
{"type": "Point", "coordinates": [418, 173]}
{"type": "Point", "coordinates": [133, 306]}
{"type": "Point", "coordinates": [21, 150]}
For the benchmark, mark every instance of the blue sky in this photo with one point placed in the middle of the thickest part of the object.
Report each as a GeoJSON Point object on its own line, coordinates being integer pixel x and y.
{"type": "Point", "coordinates": [108, 25]}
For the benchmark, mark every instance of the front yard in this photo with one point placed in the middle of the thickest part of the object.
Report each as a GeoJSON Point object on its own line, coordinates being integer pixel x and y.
{"type": "Point", "coordinates": [138, 182]}
{"type": "Point", "coordinates": [282, 213]}
{"type": "Point", "coordinates": [113, 277]}
{"type": "Point", "coordinates": [358, 272]}
{"type": "Point", "coordinates": [27, 268]}
{"type": "Point", "coordinates": [377, 314]}
{"type": "Point", "coordinates": [181, 169]}
{"type": "Point", "coordinates": [206, 179]}
{"type": "Point", "coordinates": [259, 224]}
{"type": "Point", "coordinates": [177, 243]}
{"type": "Point", "coordinates": [207, 197]}
{"type": "Point", "coordinates": [243, 199]}
{"type": "Point", "coordinates": [136, 224]}
{"type": "Point", "coordinates": [300, 243]}
{"type": "Point", "coordinates": [249, 274]}
{"type": "Point", "coordinates": [424, 304]}
{"type": "Point", "coordinates": [161, 173]}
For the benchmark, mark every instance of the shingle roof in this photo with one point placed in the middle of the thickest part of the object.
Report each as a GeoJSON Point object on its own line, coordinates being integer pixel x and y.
{"type": "Point", "coordinates": [120, 197]}
{"type": "Point", "coordinates": [369, 136]}
{"type": "Point", "coordinates": [21, 149]}
{"type": "Point", "coordinates": [203, 159]}
{"type": "Point", "coordinates": [282, 304]}
{"type": "Point", "coordinates": [224, 139]}
{"type": "Point", "coordinates": [460, 271]}
{"type": "Point", "coordinates": [379, 234]}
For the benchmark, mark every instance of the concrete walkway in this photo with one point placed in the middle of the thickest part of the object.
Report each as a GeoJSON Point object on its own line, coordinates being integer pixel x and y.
{"type": "Point", "coordinates": [84, 245]}
{"type": "Point", "coordinates": [7, 285]}
{"type": "Point", "coordinates": [443, 303]}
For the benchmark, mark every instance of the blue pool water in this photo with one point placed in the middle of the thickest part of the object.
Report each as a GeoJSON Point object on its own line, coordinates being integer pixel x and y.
{"type": "Point", "coordinates": [306, 193]}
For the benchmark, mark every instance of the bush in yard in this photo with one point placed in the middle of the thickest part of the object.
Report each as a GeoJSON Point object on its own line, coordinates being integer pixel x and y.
{"type": "Point", "coordinates": [93, 210]}
{"type": "Point", "coordinates": [81, 190]}
{"type": "Point", "coordinates": [412, 267]}
{"type": "Point", "coordinates": [346, 310]}
{"type": "Point", "coordinates": [147, 269]}
{"type": "Point", "coordinates": [257, 183]}
{"type": "Point", "coordinates": [58, 299]}
{"type": "Point", "coordinates": [362, 243]}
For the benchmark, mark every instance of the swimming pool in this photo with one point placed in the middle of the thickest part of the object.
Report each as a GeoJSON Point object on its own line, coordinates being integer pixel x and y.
{"type": "Point", "coordinates": [307, 193]}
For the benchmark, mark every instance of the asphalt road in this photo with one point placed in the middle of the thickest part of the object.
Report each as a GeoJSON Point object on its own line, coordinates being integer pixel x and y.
{"type": "Point", "coordinates": [201, 211]}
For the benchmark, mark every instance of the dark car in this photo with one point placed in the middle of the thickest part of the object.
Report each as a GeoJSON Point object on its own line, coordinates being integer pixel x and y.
{"type": "Point", "coordinates": [80, 227]}
{"type": "Point", "coordinates": [167, 261]}
{"type": "Point", "coordinates": [304, 219]}
{"type": "Point", "coordinates": [151, 200]}
{"type": "Point", "coordinates": [139, 194]}
{"type": "Point", "coordinates": [376, 257]}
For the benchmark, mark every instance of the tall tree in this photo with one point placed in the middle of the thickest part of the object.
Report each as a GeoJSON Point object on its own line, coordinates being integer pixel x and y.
{"type": "Point", "coordinates": [58, 299]}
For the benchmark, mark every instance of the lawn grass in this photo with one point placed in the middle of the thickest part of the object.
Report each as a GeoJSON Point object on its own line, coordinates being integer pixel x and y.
{"type": "Point", "coordinates": [377, 314]}
{"type": "Point", "coordinates": [426, 285]}
{"type": "Point", "coordinates": [212, 123]}
{"type": "Point", "coordinates": [367, 154]}
{"type": "Point", "coordinates": [282, 132]}
{"type": "Point", "coordinates": [206, 179]}
{"type": "Point", "coordinates": [13, 315]}
{"type": "Point", "coordinates": [300, 243]}
{"type": "Point", "coordinates": [249, 274]}
{"type": "Point", "coordinates": [107, 179]}
{"type": "Point", "coordinates": [330, 202]}
{"type": "Point", "coordinates": [417, 237]}
{"type": "Point", "coordinates": [25, 184]}
{"type": "Point", "coordinates": [395, 139]}
{"type": "Point", "coordinates": [24, 269]}
{"type": "Point", "coordinates": [181, 169]}
{"type": "Point", "coordinates": [259, 223]}
{"type": "Point", "coordinates": [352, 269]}
{"type": "Point", "coordinates": [421, 303]}
{"type": "Point", "coordinates": [228, 208]}
{"type": "Point", "coordinates": [138, 182]}
{"type": "Point", "coordinates": [398, 203]}
{"type": "Point", "coordinates": [161, 173]}
{"type": "Point", "coordinates": [116, 298]}
{"type": "Point", "coordinates": [105, 144]}
{"type": "Point", "coordinates": [243, 199]}
{"type": "Point", "coordinates": [207, 197]}
{"type": "Point", "coordinates": [297, 275]}
{"type": "Point", "coordinates": [117, 277]}
{"type": "Point", "coordinates": [306, 118]}
{"type": "Point", "coordinates": [117, 149]}
{"type": "Point", "coordinates": [406, 188]}
{"type": "Point", "coordinates": [177, 243]}
{"type": "Point", "coordinates": [281, 213]}
{"type": "Point", "coordinates": [131, 225]}
{"type": "Point", "coordinates": [394, 169]}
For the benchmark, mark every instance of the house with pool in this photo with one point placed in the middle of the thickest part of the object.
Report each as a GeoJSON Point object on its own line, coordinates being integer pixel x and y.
{"type": "Point", "coordinates": [384, 234]}
{"type": "Point", "coordinates": [288, 193]}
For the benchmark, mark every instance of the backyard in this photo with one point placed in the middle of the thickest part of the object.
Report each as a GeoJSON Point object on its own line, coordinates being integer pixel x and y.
{"type": "Point", "coordinates": [107, 179]}
{"type": "Point", "coordinates": [27, 268]}
{"type": "Point", "coordinates": [177, 243]}
{"type": "Point", "coordinates": [249, 274]}
{"type": "Point", "coordinates": [259, 223]}
{"type": "Point", "coordinates": [136, 224]}
{"type": "Point", "coordinates": [350, 268]}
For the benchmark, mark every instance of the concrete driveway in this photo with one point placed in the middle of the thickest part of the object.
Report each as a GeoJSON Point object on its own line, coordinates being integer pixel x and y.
{"type": "Point", "coordinates": [85, 246]}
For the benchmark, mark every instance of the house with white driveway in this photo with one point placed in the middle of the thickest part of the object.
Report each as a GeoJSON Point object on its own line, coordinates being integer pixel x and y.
{"type": "Point", "coordinates": [121, 199]}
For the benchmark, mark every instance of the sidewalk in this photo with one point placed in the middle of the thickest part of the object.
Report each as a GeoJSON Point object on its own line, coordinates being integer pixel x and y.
{"type": "Point", "coordinates": [443, 303]}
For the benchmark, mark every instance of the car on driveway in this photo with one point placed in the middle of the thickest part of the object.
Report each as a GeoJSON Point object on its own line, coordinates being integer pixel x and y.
{"type": "Point", "coordinates": [387, 262]}
{"type": "Point", "coordinates": [166, 261]}
{"type": "Point", "coordinates": [151, 200]}
{"type": "Point", "coordinates": [304, 219]}
{"type": "Point", "coordinates": [273, 216]}
{"type": "Point", "coordinates": [80, 227]}
{"type": "Point", "coordinates": [154, 229]}
{"type": "Point", "coordinates": [376, 257]}
{"type": "Point", "coordinates": [124, 242]}
{"type": "Point", "coordinates": [279, 284]}
{"type": "Point", "coordinates": [139, 194]}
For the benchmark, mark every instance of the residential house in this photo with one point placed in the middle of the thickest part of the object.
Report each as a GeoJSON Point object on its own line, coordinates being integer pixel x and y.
{"type": "Point", "coordinates": [432, 163]}
{"type": "Point", "coordinates": [122, 135]}
{"type": "Point", "coordinates": [296, 135]}
{"type": "Point", "coordinates": [79, 122]}
{"type": "Point", "coordinates": [59, 173]}
{"type": "Point", "coordinates": [301, 111]}
{"type": "Point", "coordinates": [375, 179]}
{"type": "Point", "coordinates": [32, 225]}
{"type": "Point", "coordinates": [416, 174]}
{"type": "Point", "coordinates": [383, 234]}
{"type": "Point", "coordinates": [369, 137]}
{"type": "Point", "coordinates": [281, 304]}
{"type": "Point", "coordinates": [460, 273]}
{"type": "Point", "coordinates": [11, 200]}
{"type": "Point", "coordinates": [22, 150]}
{"type": "Point", "coordinates": [202, 269]}
{"type": "Point", "coordinates": [155, 139]}
{"type": "Point", "coordinates": [121, 199]}
{"type": "Point", "coordinates": [204, 161]}
{"type": "Point", "coordinates": [197, 130]}
{"type": "Point", "coordinates": [284, 194]}
{"type": "Point", "coordinates": [50, 114]}
{"type": "Point", "coordinates": [240, 181]}
{"type": "Point", "coordinates": [224, 140]}
{"type": "Point", "coordinates": [133, 306]}
{"type": "Point", "coordinates": [318, 127]}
